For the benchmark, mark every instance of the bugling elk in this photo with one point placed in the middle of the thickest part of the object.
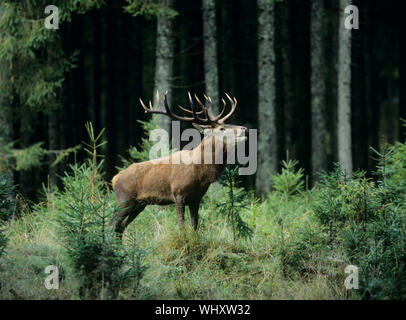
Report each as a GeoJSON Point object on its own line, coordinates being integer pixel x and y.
{"type": "Point", "coordinates": [184, 184]}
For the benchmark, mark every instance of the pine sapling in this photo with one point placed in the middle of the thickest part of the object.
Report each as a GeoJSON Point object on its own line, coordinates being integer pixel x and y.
{"type": "Point", "coordinates": [236, 200]}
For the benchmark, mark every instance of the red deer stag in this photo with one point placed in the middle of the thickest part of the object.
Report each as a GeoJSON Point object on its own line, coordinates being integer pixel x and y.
{"type": "Point", "coordinates": [184, 184]}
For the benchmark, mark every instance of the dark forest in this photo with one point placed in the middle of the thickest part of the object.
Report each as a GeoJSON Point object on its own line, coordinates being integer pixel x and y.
{"type": "Point", "coordinates": [328, 105]}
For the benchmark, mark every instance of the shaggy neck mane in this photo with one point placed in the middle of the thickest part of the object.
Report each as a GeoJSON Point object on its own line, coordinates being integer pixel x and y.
{"type": "Point", "coordinates": [210, 172]}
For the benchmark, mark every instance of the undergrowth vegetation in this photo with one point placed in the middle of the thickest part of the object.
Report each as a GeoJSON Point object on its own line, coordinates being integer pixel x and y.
{"type": "Point", "coordinates": [295, 244]}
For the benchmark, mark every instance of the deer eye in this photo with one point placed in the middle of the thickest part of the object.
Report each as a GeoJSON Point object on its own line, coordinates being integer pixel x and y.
{"type": "Point", "coordinates": [222, 129]}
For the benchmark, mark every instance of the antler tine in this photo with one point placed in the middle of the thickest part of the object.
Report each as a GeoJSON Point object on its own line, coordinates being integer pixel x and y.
{"type": "Point", "coordinates": [208, 99]}
{"type": "Point", "coordinates": [167, 111]}
{"type": "Point", "coordinates": [199, 102]}
{"type": "Point", "coordinates": [233, 103]}
{"type": "Point", "coordinates": [149, 109]}
{"type": "Point", "coordinates": [195, 114]}
{"type": "Point", "coordinates": [210, 108]}
{"type": "Point", "coordinates": [144, 106]}
{"type": "Point", "coordinates": [171, 114]}
{"type": "Point", "coordinates": [189, 111]}
{"type": "Point", "coordinates": [210, 103]}
{"type": "Point", "coordinates": [203, 108]}
{"type": "Point", "coordinates": [192, 104]}
{"type": "Point", "coordinates": [222, 111]}
{"type": "Point", "coordinates": [193, 111]}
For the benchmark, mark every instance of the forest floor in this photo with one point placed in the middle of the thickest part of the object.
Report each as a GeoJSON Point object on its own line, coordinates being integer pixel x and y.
{"type": "Point", "coordinates": [183, 264]}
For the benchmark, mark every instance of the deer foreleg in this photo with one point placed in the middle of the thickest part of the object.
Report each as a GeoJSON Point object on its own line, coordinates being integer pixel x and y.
{"type": "Point", "coordinates": [180, 210]}
{"type": "Point", "coordinates": [194, 215]}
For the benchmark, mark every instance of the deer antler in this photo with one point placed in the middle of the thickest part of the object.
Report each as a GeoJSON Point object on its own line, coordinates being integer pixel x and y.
{"type": "Point", "coordinates": [167, 111]}
{"type": "Point", "coordinates": [197, 119]}
{"type": "Point", "coordinates": [233, 103]}
{"type": "Point", "coordinates": [208, 111]}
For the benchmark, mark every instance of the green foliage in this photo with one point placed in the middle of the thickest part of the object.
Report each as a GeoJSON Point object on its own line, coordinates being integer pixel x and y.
{"type": "Point", "coordinates": [368, 220]}
{"type": "Point", "coordinates": [63, 154]}
{"type": "Point", "coordinates": [235, 201]}
{"type": "Point", "coordinates": [149, 9]}
{"type": "Point", "coordinates": [136, 268]}
{"type": "Point", "coordinates": [306, 253]}
{"type": "Point", "coordinates": [31, 56]}
{"type": "Point", "coordinates": [142, 153]}
{"type": "Point", "coordinates": [85, 209]}
{"type": "Point", "coordinates": [391, 170]}
{"type": "Point", "coordinates": [300, 244]}
{"type": "Point", "coordinates": [6, 207]}
{"type": "Point", "coordinates": [290, 181]}
{"type": "Point", "coordinates": [30, 157]}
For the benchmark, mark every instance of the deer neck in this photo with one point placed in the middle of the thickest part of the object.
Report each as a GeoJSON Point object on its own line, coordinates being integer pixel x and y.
{"type": "Point", "coordinates": [208, 153]}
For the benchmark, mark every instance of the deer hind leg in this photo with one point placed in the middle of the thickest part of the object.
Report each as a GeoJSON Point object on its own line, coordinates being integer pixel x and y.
{"type": "Point", "coordinates": [121, 218]}
{"type": "Point", "coordinates": [125, 217]}
{"type": "Point", "coordinates": [130, 208]}
{"type": "Point", "coordinates": [194, 215]}
{"type": "Point", "coordinates": [137, 209]}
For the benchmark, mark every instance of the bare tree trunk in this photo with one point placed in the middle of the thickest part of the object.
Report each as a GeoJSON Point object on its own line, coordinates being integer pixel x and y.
{"type": "Point", "coordinates": [164, 60]}
{"type": "Point", "coordinates": [288, 98]}
{"type": "Point", "coordinates": [210, 52]}
{"type": "Point", "coordinates": [53, 144]}
{"type": "Point", "coordinates": [402, 76]}
{"type": "Point", "coordinates": [53, 136]}
{"type": "Point", "coordinates": [344, 92]}
{"type": "Point", "coordinates": [318, 90]}
{"type": "Point", "coordinates": [267, 138]}
{"type": "Point", "coordinates": [96, 71]}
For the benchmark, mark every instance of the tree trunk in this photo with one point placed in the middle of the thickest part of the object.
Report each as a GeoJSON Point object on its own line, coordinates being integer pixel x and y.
{"type": "Point", "coordinates": [318, 90]}
{"type": "Point", "coordinates": [402, 78]}
{"type": "Point", "coordinates": [53, 136]}
{"type": "Point", "coordinates": [52, 145]}
{"type": "Point", "coordinates": [210, 52]}
{"type": "Point", "coordinates": [96, 71]}
{"type": "Point", "coordinates": [267, 138]}
{"type": "Point", "coordinates": [164, 61]}
{"type": "Point", "coordinates": [112, 61]}
{"type": "Point", "coordinates": [344, 92]}
{"type": "Point", "coordinates": [287, 79]}
{"type": "Point", "coordinates": [26, 181]}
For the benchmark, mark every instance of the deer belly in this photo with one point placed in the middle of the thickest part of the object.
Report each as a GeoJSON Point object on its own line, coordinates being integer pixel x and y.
{"type": "Point", "coordinates": [156, 196]}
